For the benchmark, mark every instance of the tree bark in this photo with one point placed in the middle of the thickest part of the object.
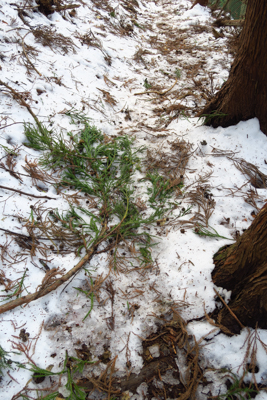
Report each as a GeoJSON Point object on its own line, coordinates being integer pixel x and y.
{"type": "Point", "coordinates": [242, 268]}
{"type": "Point", "coordinates": [244, 95]}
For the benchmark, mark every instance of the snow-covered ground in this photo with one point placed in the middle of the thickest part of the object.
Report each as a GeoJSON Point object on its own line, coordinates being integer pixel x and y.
{"type": "Point", "coordinates": [111, 56]}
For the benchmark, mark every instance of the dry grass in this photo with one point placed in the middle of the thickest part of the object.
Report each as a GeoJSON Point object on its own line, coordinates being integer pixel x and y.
{"type": "Point", "coordinates": [170, 164]}
{"type": "Point", "coordinates": [202, 198]}
{"type": "Point", "coordinates": [10, 164]}
{"type": "Point", "coordinates": [139, 55]}
{"type": "Point", "coordinates": [28, 56]}
{"type": "Point", "coordinates": [102, 5]}
{"type": "Point", "coordinates": [170, 113]}
{"type": "Point", "coordinates": [108, 98]}
{"type": "Point", "coordinates": [91, 40]}
{"type": "Point", "coordinates": [252, 343]}
{"type": "Point", "coordinates": [174, 344]}
{"type": "Point", "coordinates": [257, 178]}
{"type": "Point", "coordinates": [48, 36]}
{"type": "Point", "coordinates": [37, 174]}
{"type": "Point", "coordinates": [223, 153]}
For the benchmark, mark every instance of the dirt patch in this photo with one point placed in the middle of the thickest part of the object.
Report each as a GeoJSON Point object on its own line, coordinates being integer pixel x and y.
{"type": "Point", "coordinates": [170, 370]}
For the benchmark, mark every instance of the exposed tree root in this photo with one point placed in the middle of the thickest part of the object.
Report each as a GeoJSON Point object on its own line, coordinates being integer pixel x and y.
{"type": "Point", "coordinates": [242, 268]}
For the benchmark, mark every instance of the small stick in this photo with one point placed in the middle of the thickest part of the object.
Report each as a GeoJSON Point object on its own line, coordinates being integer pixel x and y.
{"type": "Point", "coordinates": [2, 127]}
{"type": "Point", "coordinates": [29, 176]}
{"type": "Point", "coordinates": [26, 55]}
{"type": "Point", "coordinates": [27, 194]}
{"type": "Point", "coordinates": [15, 233]}
{"type": "Point", "coordinates": [37, 237]}
{"type": "Point", "coordinates": [229, 309]}
{"type": "Point", "coordinates": [160, 93]}
{"type": "Point", "coordinates": [10, 376]}
{"type": "Point", "coordinates": [17, 96]}
{"type": "Point", "coordinates": [67, 7]}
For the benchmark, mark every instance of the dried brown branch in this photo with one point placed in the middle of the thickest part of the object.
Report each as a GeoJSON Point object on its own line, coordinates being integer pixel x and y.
{"type": "Point", "coordinates": [19, 98]}
{"type": "Point", "coordinates": [171, 165]}
{"type": "Point", "coordinates": [17, 234]}
{"type": "Point", "coordinates": [26, 55]}
{"type": "Point", "coordinates": [218, 325]}
{"type": "Point", "coordinates": [220, 153]}
{"type": "Point", "coordinates": [44, 290]}
{"type": "Point", "coordinates": [36, 173]}
{"type": "Point", "coordinates": [10, 171]}
{"type": "Point", "coordinates": [10, 165]}
{"type": "Point", "coordinates": [7, 283]}
{"type": "Point", "coordinates": [158, 92]}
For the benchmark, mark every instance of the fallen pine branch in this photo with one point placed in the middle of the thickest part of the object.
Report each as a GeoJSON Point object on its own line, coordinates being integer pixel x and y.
{"type": "Point", "coordinates": [116, 153]}
{"type": "Point", "coordinates": [46, 288]}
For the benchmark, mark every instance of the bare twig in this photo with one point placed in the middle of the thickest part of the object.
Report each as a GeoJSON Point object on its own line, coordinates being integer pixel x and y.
{"type": "Point", "coordinates": [19, 98]}
{"type": "Point", "coordinates": [26, 55]}
{"type": "Point", "coordinates": [67, 7]}
{"type": "Point", "coordinates": [157, 92]}
{"type": "Point", "coordinates": [27, 194]}
{"type": "Point", "coordinates": [14, 123]}
{"type": "Point", "coordinates": [229, 309]}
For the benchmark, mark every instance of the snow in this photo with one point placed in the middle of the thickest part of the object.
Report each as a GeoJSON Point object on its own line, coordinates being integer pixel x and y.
{"type": "Point", "coordinates": [183, 259]}
{"type": "Point", "coordinates": [197, 14]}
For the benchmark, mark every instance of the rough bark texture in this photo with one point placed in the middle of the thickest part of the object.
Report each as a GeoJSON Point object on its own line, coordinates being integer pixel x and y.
{"type": "Point", "coordinates": [244, 95]}
{"type": "Point", "coordinates": [242, 268]}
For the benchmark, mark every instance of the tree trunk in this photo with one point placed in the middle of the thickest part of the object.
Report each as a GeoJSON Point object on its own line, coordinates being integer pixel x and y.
{"type": "Point", "coordinates": [242, 268]}
{"type": "Point", "coordinates": [244, 95]}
